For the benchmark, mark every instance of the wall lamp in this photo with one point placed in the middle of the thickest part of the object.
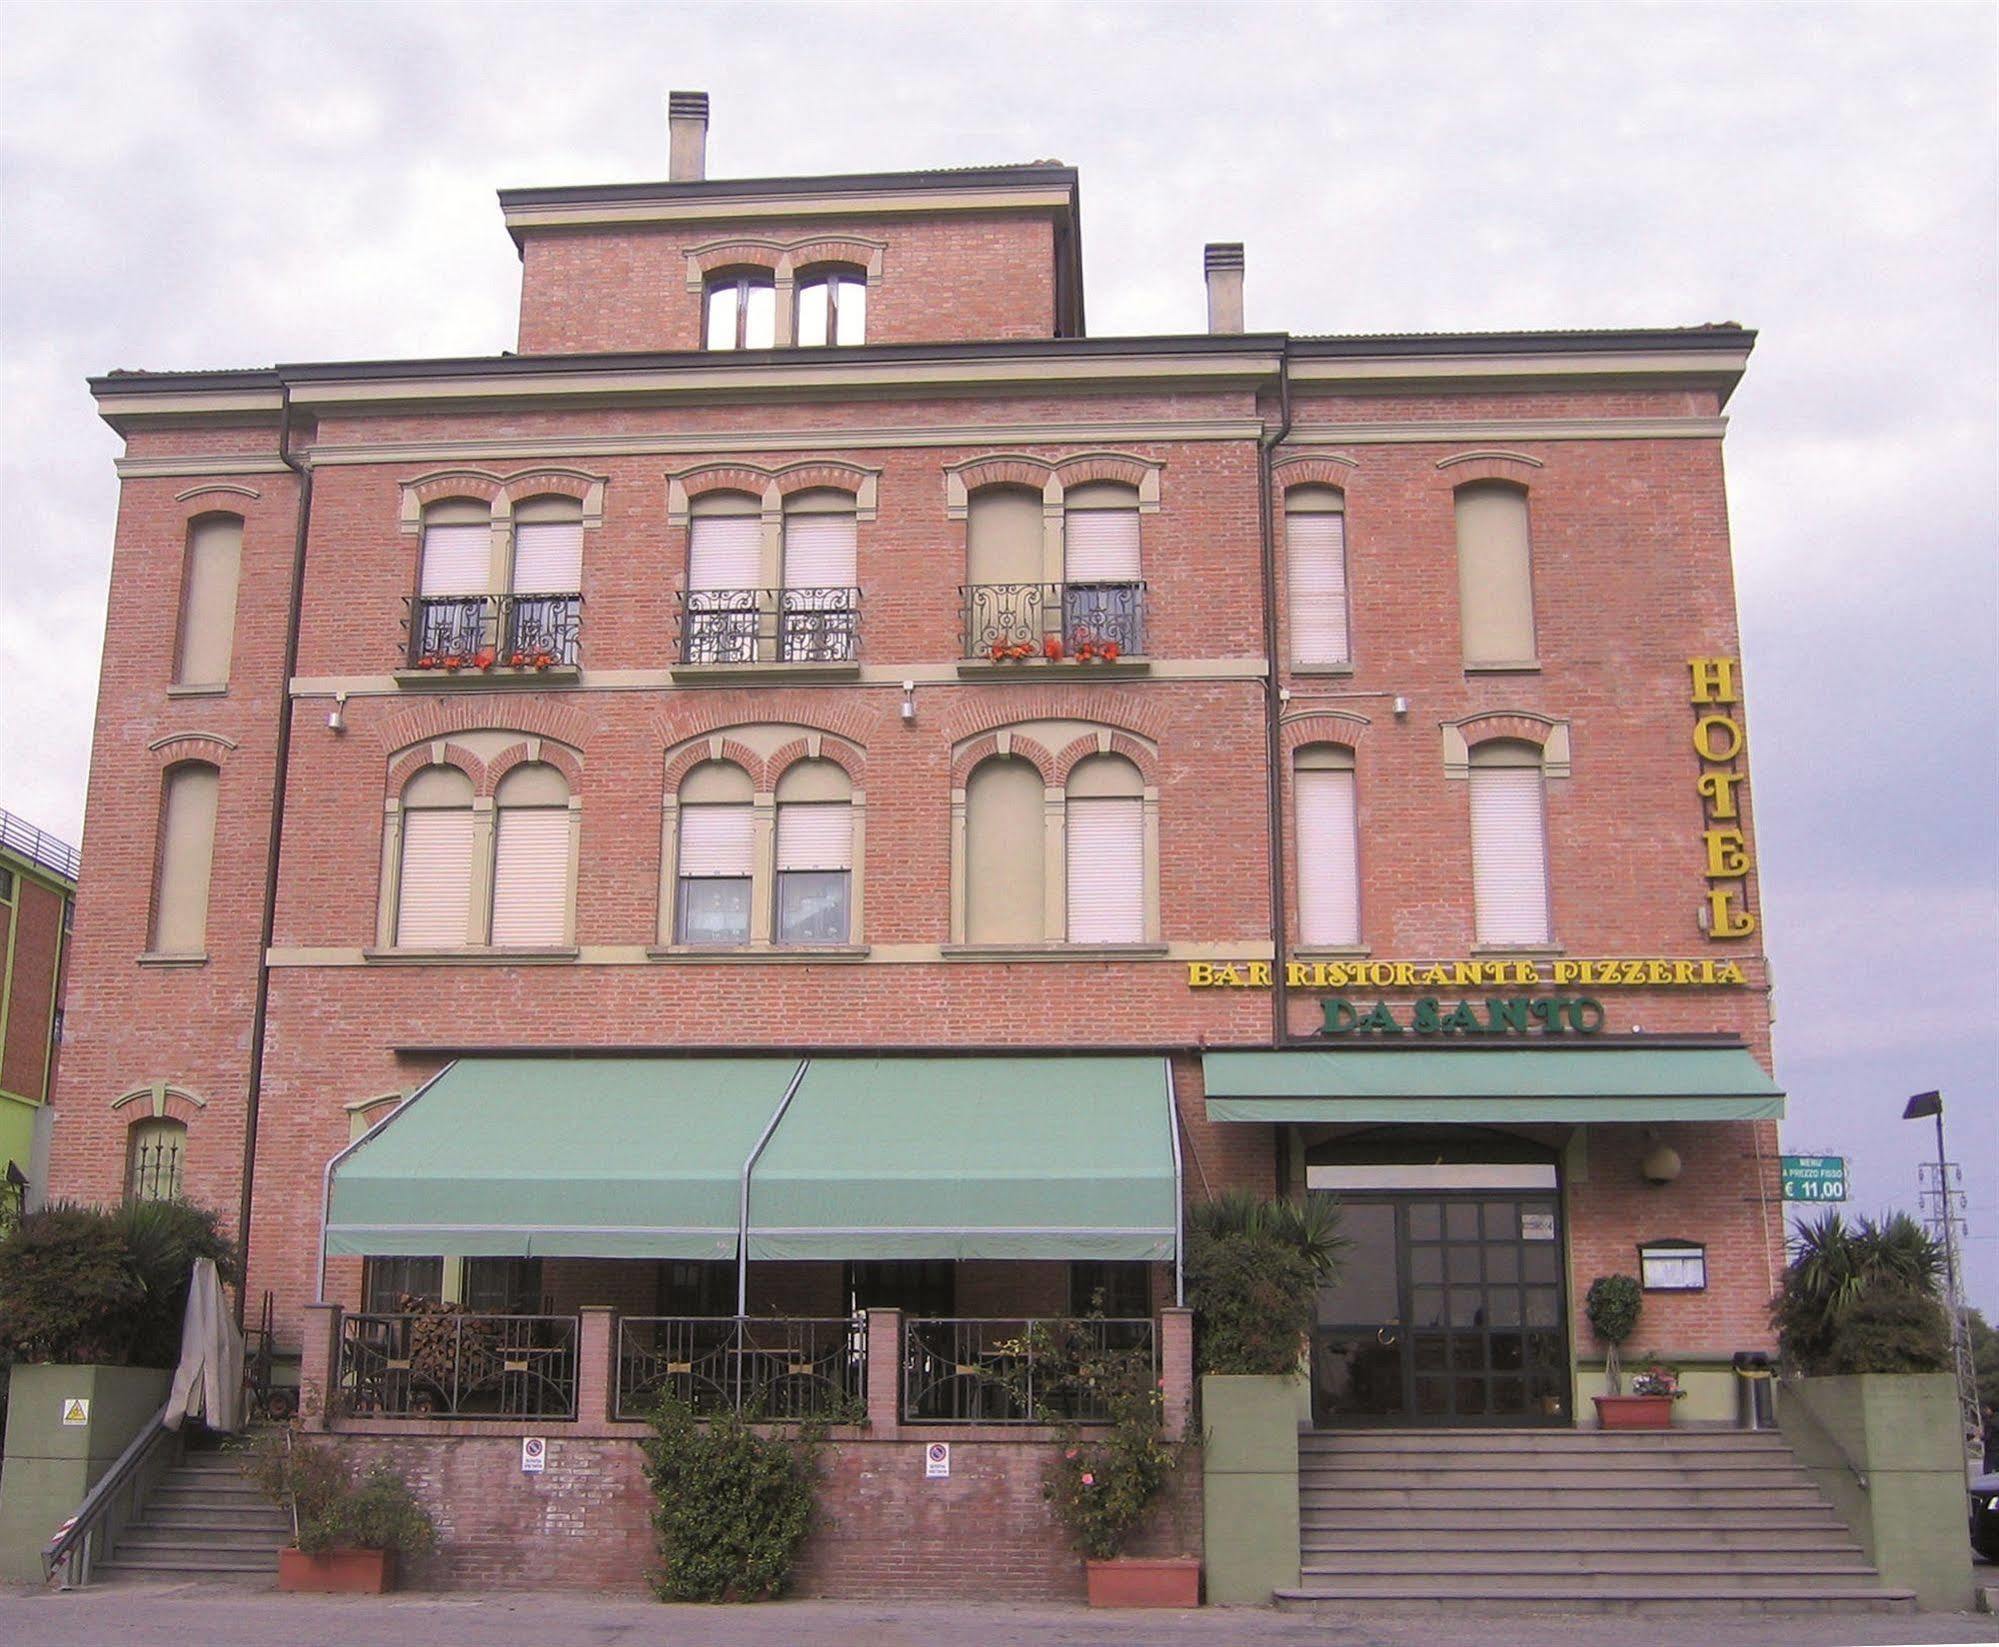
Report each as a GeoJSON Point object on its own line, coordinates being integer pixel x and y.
{"type": "Point", "coordinates": [337, 721]}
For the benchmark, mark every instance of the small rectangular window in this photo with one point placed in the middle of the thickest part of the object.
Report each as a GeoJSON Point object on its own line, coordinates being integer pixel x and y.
{"type": "Point", "coordinates": [1672, 1266]}
{"type": "Point", "coordinates": [1119, 1291]}
{"type": "Point", "coordinates": [7, 893]}
{"type": "Point", "coordinates": [503, 1286]}
{"type": "Point", "coordinates": [389, 1285]}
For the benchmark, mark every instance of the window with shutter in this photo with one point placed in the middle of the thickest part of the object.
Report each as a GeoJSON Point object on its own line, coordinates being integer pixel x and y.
{"type": "Point", "coordinates": [717, 862]}
{"type": "Point", "coordinates": [820, 599]}
{"type": "Point", "coordinates": [1495, 578]}
{"type": "Point", "coordinates": [815, 860]}
{"type": "Point", "coordinates": [1328, 877]}
{"type": "Point", "coordinates": [548, 557]}
{"type": "Point", "coordinates": [186, 858]}
{"type": "Point", "coordinates": [724, 551]}
{"type": "Point", "coordinates": [1106, 870]}
{"type": "Point", "coordinates": [457, 558]}
{"type": "Point", "coordinates": [531, 875]}
{"type": "Point", "coordinates": [1005, 803]}
{"type": "Point", "coordinates": [434, 910]}
{"type": "Point", "coordinates": [208, 601]}
{"type": "Point", "coordinates": [1315, 549]}
{"type": "Point", "coordinates": [1101, 545]}
{"type": "Point", "coordinates": [1509, 848]}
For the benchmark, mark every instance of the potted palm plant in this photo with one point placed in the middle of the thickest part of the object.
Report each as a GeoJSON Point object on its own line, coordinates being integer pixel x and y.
{"type": "Point", "coordinates": [347, 1535]}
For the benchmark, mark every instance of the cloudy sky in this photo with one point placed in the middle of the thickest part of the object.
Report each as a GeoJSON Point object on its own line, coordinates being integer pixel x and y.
{"type": "Point", "coordinates": [233, 185]}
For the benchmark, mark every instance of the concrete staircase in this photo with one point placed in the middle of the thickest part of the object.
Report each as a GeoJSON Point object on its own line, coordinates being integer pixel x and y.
{"type": "Point", "coordinates": [1516, 1521]}
{"type": "Point", "coordinates": [204, 1521]}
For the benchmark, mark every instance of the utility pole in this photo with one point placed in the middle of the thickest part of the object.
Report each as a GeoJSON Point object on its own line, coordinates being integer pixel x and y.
{"type": "Point", "coordinates": [1941, 1195]}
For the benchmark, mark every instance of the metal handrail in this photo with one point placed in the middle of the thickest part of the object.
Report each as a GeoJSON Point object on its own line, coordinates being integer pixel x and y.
{"type": "Point", "coordinates": [793, 623]}
{"type": "Point", "coordinates": [73, 1547]}
{"type": "Point", "coordinates": [58, 857]}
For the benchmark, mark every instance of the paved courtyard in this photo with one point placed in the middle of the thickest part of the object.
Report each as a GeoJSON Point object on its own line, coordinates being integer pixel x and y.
{"type": "Point", "coordinates": [179, 1615]}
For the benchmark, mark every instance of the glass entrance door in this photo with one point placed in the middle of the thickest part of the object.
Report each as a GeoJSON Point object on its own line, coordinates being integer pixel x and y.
{"type": "Point", "coordinates": [1449, 1310]}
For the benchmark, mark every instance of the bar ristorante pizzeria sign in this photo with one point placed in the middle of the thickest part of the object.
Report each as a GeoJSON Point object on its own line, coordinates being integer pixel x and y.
{"type": "Point", "coordinates": [1486, 1014]}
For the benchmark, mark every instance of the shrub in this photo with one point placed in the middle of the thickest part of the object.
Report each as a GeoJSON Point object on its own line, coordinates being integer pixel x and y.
{"type": "Point", "coordinates": [313, 1484]}
{"type": "Point", "coordinates": [1612, 1304]}
{"type": "Point", "coordinates": [1863, 1298]}
{"type": "Point", "coordinates": [1254, 1268]}
{"type": "Point", "coordinates": [87, 1284]}
{"type": "Point", "coordinates": [733, 1504]}
{"type": "Point", "coordinates": [1102, 1488]}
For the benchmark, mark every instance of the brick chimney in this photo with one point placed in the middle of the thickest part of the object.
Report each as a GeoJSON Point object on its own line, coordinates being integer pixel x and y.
{"type": "Point", "coordinates": [687, 137]}
{"type": "Point", "coordinates": [1223, 261]}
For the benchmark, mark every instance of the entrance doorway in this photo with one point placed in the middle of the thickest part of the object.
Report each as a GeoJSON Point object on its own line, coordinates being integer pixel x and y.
{"type": "Point", "coordinates": [1450, 1309]}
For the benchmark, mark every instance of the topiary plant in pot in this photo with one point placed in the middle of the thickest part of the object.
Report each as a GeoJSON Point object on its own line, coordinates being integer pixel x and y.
{"type": "Point", "coordinates": [1613, 1304]}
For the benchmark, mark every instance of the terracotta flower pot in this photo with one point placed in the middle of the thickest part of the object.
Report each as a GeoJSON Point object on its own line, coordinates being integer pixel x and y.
{"type": "Point", "coordinates": [338, 1572]}
{"type": "Point", "coordinates": [1145, 1581]}
{"type": "Point", "coordinates": [1634, 1412]}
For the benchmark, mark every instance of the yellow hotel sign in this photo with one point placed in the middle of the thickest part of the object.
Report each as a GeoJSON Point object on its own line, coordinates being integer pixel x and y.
{"type": "Point", "coordinates": [1603, 974]}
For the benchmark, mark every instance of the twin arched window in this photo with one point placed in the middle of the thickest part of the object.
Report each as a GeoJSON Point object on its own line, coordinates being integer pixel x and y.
{"type": "Point", "coordinates": [829, 307]}
{"type": "Point", "coordinates": [510, 597]}
{"type": "Point", "coordinates": [739, 883]}
{"type": "Point", "coordinates": [746, 604]}
{"type": "Point", "coordinates": [469, 875]}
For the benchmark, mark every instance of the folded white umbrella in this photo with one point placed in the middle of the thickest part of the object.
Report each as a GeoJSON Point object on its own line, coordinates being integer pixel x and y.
{"type": "Point", "coordinates": [208, 1383]}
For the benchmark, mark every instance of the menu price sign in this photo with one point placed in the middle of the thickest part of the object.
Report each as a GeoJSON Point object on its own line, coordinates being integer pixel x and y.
{"type": "Point", "coordinates": [1814, 1177]}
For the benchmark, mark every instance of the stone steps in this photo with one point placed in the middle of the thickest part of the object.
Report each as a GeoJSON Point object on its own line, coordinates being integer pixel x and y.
{"type": "Point", "coordinates": [204, 1521]}
{"type": "Point", "coordinates": [1500, 1522]}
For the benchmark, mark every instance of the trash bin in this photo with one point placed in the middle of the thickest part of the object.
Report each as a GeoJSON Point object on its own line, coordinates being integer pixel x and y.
{"type": "Point", "coordinates": [1755, 1397]}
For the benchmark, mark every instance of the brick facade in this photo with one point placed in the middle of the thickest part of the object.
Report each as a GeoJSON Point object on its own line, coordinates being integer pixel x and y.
{"type": "Point", "coordinates": [1614, 437]}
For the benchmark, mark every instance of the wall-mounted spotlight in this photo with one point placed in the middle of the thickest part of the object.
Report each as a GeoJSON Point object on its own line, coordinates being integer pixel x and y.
{"type": "Point", "coordinates": [909, 700]}
{"type": "Point", "coordinates": [337, 721]}
{"type": "Point", "coordinates": [1401, 708]}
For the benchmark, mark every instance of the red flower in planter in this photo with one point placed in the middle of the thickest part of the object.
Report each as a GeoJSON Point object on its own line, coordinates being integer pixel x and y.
{"type": "Point", "coordinates": [1001, 651]}
{"type": "Point", "coordinates": [427, 661]}
{"type": "Point", "coordinates": [543, 659]}
{"type": "Point", "coordinates": [1086, 652]}
{"type": "Point", "coordinates": [1108, 651]}
{"type": "Point", "coordinates": [453, 662]}
{"type": "Point", "coordinates": [484, 658]}
{"type": "Point", "coordinates": [516, 659]}
{"type": "Point", "coordinates": [1052, 647]}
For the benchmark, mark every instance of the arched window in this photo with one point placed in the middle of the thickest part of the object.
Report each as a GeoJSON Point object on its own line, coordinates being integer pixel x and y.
{"type": "Point", "coordinates": [1105, 817]}
{"type": "Point", "coordinates": [717, 868]}
{"type": "Point", "coordinates": [816, 617]}
{"type": "Point", "coordinates": [1315, 552]}
{"type": "Point", "coordinates": [724, 571]}
{"type": "Point", "coordinates": [1101, 599]}
{"type": "Point", "coordinates": [1005, 854]}
{"type": "Point", "coordinates": [531, 839]}
{"type": "Point", "coordinates": [833, 307]}
{"type": "Point", "coordinates": [1495, 576]}
{"type": "Point", "coordinates": [186, 854]}
{"type": "Point", "coordinates": [1328, 867]}
{"type": "Point", "coordinates": [815, 855]}
{"type": "Point", "coordinates": [155, 1151]}
{"type": "Point", "coordinates": [1509, 844]}
{"type": "Point", "coordinates": [453, 584]}
{"type": "Point", "coordinates": [742, 309]}
{"type": "Point", "coordinates": [434, 899]}
{"type": "Point", "coordinates": [1006, 602]}
{"type": "Point", "coordinates": [208, 601]}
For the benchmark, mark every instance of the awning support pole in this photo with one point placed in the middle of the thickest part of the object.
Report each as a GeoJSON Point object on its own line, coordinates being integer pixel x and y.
{"type": "Point", "coordinates": [743, 1205]}
{"type": "Point", "coordinates": [326, 1174]}
{"type": "Point", "coordinates": [1179, 1197]}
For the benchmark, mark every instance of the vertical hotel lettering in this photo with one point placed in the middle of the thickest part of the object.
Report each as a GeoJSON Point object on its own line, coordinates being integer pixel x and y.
{"type": "Point", "coordinates": [1719, 742]}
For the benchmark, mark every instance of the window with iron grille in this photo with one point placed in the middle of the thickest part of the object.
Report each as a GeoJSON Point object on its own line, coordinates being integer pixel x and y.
{"type": "Point", "coordinates": [387, 1282]}
{"type": "Point", "coordinates": [155, 1153]}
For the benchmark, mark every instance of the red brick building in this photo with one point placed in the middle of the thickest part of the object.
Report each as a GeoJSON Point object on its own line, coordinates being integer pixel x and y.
{"type": "Point", "coordinates": [812, 647]}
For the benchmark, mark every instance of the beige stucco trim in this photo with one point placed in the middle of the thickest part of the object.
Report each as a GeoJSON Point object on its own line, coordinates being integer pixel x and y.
{"type": "Point", "coordinates": [744, 208]}
{"type": "Point", "coordinates": [861, 480]}
{"type": "Point", "coordinates": [1555, 758]}
{"type": "Point", "coordinates": [499, 492]}
{"type": "Point", "coordinates": [785, 267]}
{"type": "Point", "coordinates": [1706, 364]}
{"type": "Point", "coordinates": [1458, 430]}
{"type": "Point", "coordinates": [224, 487]}
{"type": "Point", "coordinates": [182, 402]}
{"type": "Point", "coordinates": [155, 1095]}
{"type": "Point", "coordinates": [957, 497]}
{"type": "Point", "coordinates": [337, 957]}
{"type": "Point", "coordinates": [177, 468]}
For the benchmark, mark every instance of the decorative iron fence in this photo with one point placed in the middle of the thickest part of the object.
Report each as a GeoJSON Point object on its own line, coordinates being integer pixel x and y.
{"type": "Point", "coordinates": [452, 1364]}
{"type": "Point", "coordinates": [770, 625]}
{"type": "Point", "coordinates": [453, 632]}
{"type": "Point", "coordinates": [1081, 621]}
{"type": "Point", "coordinates": [774, 1367]}
{"type": "Point", "coordinates": [1024, 1371]}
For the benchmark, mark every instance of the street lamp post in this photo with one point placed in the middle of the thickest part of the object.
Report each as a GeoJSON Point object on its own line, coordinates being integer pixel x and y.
{"type": "Point", "coordinates": [1920, 1107]}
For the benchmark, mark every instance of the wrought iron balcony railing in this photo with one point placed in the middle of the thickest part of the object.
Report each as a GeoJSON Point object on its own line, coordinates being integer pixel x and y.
{"type": "Point", "coordinates": [453, 1364]}
{"type": "Point", "coordinates": [1084, 622]}
{"type": "Point", "coordinates": [770, 625]}
{"type": "Point", "coordinates": [453, 632]}
{"type": "Point", "coordinates": [775, 1368]}
{"type": "Point", "coordinates": [1019, 1371]}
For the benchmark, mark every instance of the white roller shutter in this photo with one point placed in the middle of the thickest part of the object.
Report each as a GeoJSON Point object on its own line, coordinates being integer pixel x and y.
{"type": "Point", "coordinates": [819, 552]}
{"type": "Point", "coordinates": [1100, 545]}
{"type": "Point", "coordinates": [457, 560]}
{"type": "Point", "coordinates": [1509, 852]}
{"type": "Point", "coordinates": [1315, 545]}
{"type": "Point", "coordinates": [548, 557]}
{"type": "Point", "coordinates": [717, 840]}
{"type": "Point", "coordinates": [435, 906]}
{"type": "Point", "coordinates": [815, 835]}
{"type": "Point", "coordinates": [1328, 882]}
{"type": "Point", "coordinates": [725, 552]}
{"type": "Point", "coordinates": [531, 875]}
{"type": "Point", "coordinates": [1106, 871]}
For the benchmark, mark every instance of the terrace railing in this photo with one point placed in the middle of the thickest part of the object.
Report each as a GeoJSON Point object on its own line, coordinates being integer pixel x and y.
{"type": "Point", "coordinates": [452, 1364]}
{"type": "Point", "coordinates": [454, 632]}
{"type": "Point", "coordinates": [1079, 622]}
{"type": "Point", "coordinates": [771, 1367]}
{"type": "Point", "coordinates": [1015, 1371]}
{"type": "Point", "coordinates": [795, 625]}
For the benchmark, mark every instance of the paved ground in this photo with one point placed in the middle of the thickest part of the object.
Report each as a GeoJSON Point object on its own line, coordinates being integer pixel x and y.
{"type": "Point", "coordinates": [187, 1616]}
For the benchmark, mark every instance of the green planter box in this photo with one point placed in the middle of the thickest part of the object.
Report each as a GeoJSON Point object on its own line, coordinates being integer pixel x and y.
{"type": "Point", "coordinates": [1249, 1487]}
{"type": "Point", "coordinates": [52, 1465]}
{"type": "Point", "coordinates": [1900, 1431]}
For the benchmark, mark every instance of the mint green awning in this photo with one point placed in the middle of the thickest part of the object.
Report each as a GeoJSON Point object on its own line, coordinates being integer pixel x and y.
{"type": "Point", "coordinates": [561, 1157]}
{"type": "Point", "coordinates": [1488, 1085]}
{"type": "Point", "coordinates": [970, 1157]}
